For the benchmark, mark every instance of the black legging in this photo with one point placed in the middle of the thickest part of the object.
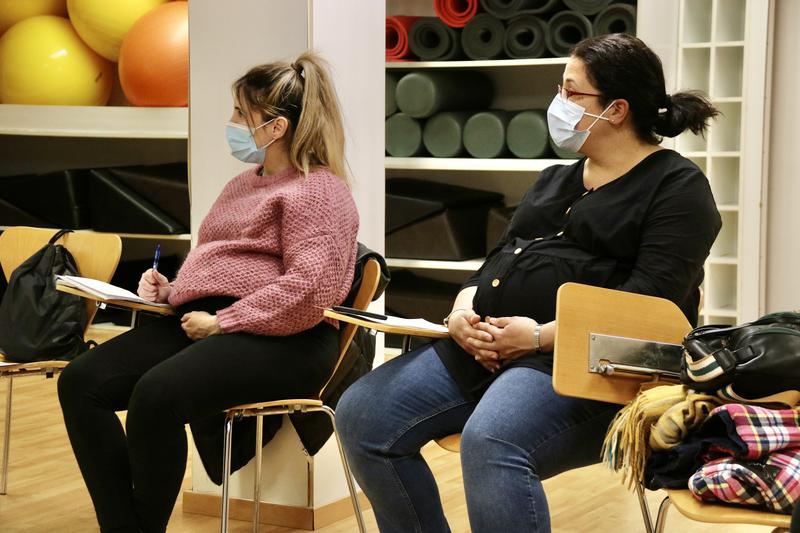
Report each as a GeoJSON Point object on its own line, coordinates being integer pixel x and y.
{"type": "Point", "coordinates": [165, 381]}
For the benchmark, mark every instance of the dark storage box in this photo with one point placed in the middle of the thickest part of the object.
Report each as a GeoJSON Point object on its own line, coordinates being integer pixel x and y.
{"type": "Point", "coordinates": [118, 207]}
{"type": "Point", "coordinates": [497, 221]}
{"type": "Point", "coordinates": [56, 199]}
{"type": "Point", "coordinates": [426, 220]}
{"type": "Point", "coordinates": [166, 186]}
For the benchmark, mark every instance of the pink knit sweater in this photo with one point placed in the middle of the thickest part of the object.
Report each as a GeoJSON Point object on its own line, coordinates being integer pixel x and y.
{"type": "Point", "coordinates": [283, 244]}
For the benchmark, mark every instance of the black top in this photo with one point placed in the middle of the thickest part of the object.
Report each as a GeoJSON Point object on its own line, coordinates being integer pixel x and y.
{"type": "Point", "coordinates": [648, 231]}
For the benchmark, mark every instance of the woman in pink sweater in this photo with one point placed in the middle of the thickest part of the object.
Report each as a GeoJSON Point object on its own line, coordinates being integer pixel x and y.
{"type": "Point", "coordinates": [278, 245]}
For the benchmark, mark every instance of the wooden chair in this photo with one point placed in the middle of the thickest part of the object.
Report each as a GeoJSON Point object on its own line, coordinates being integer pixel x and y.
{"type": "Point", "coordinates": [96, 255]}
{"type": "Point", "coordinates": [369, 284]}
{"type": "Point", "coordinates": [583, 311]}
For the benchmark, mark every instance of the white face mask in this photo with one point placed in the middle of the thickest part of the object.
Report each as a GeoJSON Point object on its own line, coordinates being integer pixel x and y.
{"type": "Point", "coordinates": [563, 116]}
{"type": "Point", "coordinates": [243, 145]}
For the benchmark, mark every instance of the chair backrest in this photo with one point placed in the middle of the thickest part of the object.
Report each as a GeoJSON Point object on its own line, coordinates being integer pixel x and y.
{"type": "Point", "coordinates": [369, 284]}
{"type": "Point", "coordinates": [96, 254]}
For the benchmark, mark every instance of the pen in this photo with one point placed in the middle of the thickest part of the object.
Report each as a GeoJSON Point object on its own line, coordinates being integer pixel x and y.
{"type": "Point", "coordinates": [156, 257]}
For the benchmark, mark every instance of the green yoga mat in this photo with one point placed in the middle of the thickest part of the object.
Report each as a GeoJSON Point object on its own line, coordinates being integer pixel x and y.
{"type": "Point", "coordinates": [526, 135]}
{"type": "Point", "coordinates": [443, 134]}
{"type": "Point", "coordinates": [432, 40]}
{"type": "Point", "coordinates": [526, 37]}
{"type": "Point", "coordinates": [391, 86]}
{"type": "Point", "coordinates": [421, 94]}
{"type": "Point", "coordinates": [616, 18]}
{"type": "Point", "coordinates": [506, 9]}
{"type": "Point", "coordinates": [403, 136]}
{"type": "Point", "coordinates": [567, 29]}
{"type": "Point", "coordinates": [482, 37]}
{"type": "Point", "coordinates": [562, 153]}
{"type": "Point", "coordinates": [587, 7]}
{"type": "Point", "coordinates": [485, 134]}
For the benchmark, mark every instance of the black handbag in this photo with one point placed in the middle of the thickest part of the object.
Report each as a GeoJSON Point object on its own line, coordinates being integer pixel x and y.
{"type": "Point", "coordinates": [753, 360]}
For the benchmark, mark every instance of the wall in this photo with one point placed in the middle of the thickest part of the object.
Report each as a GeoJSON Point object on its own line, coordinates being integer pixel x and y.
{"type": "Point", "coordinates": [783, 246]}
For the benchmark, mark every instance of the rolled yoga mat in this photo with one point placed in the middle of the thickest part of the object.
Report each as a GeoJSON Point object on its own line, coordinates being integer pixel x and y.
{"type": "Point", "coordinates": [391, 87]}
{"type": "Point", "coordinates": [616, 18]}
{"type": "Point", "coordinates": [421, 94]}
{"type": "Point", "coordinates": [563, 153]}
{"type": "Point", "coordinates": [455, 13]}
{"type": "Point", "coordinates": [482, 37]}
{"type": "Point", "coordinates": [506, 9]}
{"type": "Point", "coordinates": [526, 37]}
{"type": "Point", "coordinates": [432, 40]}
{"type": "Point", "coordinates": [526, 134]}
{"type": "Point", "coordinates": [566, 29]}
{"type": "Point", "coordinates": [443, 134]}
{"type": "Point", "coordinates": [587, 7]}
{"type": "Point", "coordinates": [485, 134]}
{"type": "Point", "coordinates": [403, 136]}
{"type": "Point", "coordinates": [397, 29]}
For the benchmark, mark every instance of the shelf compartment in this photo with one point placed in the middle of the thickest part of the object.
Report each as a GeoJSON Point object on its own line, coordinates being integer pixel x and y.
{"type": "Point", "coordinates": [696, 21]}
{"type": "Point", "coordinates": [729, 20]}
{"type": "Point", "coordinates": [726, 244]}
{"type": "Point", "coordinates": [425, 264]}
{"type": "Point", "coordinates": [726, 129]}
{"type": "Point", "coordinates": [690, 144]}
{"type": "Point", "coordinates": [88, 121]}
{"type": "Point", "coordinates": [724, 179]}
{"type": "Point", "coordinates": [695, 67]}
{"type": "Point", "coordinates": [728, 66]}
{"type": "Point", "coordinates": [700, 160]}
{"type": "Point", "coordinates": [413, 65]}
{"type": "Point", "coordinates": [466, 163]}
{"type": "Point", "coordinates": [721, 288]}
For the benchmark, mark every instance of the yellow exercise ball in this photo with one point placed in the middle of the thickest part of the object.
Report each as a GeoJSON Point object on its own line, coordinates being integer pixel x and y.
{"type": "Point", "coordinates": [43, 61]}
{"type": "Point", "coordinates": [13, 11]}
{"type": "Point", "coordinates": [104, 23]}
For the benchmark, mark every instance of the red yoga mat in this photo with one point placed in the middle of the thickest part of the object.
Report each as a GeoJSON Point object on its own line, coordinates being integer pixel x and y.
{"type": "Point", "coordinates": [397, 29]}
{"type": "Point", "coordinates": [455, 13]}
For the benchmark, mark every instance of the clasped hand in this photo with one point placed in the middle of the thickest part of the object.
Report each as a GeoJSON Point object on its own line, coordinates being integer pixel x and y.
{"type": "Point", "coordinates": [494, 341]}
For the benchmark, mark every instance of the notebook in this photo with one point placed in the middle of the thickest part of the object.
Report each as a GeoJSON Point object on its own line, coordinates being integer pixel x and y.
{"type": "Point", "coordinates": [104, 291]}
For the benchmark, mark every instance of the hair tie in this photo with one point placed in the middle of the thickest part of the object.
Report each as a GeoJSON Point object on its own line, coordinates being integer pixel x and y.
{"type": "Point", "coordinates": [299, 69]}
{"type": "Point", "coordinates": [667, 104]}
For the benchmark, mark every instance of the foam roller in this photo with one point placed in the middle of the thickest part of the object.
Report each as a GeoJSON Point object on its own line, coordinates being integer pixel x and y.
{"type": "Point", "coordinates": [443, 134]}
{"type": "Point", "coordinates": [391, 86]}
{"type": "Point", "coordinates": [587, 7]}
{"type": "Point", "coordinates": [506, 9]}
{"type": "Point", "coordinates": [526, 135]}
{"type": "Point", "coordinates": [421, 94]}
{"type": "Point", "coordinates": [485, 134]}
{"type": "Point", "coordinates": [403, 136]}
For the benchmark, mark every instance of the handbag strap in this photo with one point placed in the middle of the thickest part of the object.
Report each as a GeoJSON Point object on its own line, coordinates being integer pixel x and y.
{"type": "Point", "coordinates": [58, 235]}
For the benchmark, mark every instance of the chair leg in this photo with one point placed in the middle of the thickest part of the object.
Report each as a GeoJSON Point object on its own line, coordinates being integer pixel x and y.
{"type": "Point", "coordinates": [6, 437]}
{"type": "Point", "coordinates": [648, 524]}
{"type": "Point", "coordinates": [348, 474]}
{"type": "Point", "coordinates": [257, 480]}
{"type": "Point", "coordinates": [661, 520]}
{"type": "Point", "coordinates": [226, 472]}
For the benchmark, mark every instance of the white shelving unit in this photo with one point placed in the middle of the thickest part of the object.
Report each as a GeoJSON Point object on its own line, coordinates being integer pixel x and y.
{"type": "Point", "coordinates": [722, 49]}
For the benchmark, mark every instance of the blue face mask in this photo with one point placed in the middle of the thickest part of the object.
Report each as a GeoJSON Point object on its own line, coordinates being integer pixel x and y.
{"type": "Point", "coordinates": [243, 145]}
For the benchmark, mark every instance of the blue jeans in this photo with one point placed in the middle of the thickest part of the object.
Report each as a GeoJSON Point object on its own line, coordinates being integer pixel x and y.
{"type": "Point", "coordinates": [519, 433]}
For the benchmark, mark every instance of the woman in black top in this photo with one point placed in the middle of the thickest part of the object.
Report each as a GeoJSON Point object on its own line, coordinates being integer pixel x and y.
{"type": "Point", "coordinates": [630, 216]}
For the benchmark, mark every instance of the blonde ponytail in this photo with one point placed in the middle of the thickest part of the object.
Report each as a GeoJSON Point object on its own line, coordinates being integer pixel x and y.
{"type": "Point", "coordinates": [303, 93]}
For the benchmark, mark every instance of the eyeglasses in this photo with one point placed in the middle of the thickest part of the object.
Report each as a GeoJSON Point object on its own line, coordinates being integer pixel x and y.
{"type": "Point", "coordinates": [566, 94]}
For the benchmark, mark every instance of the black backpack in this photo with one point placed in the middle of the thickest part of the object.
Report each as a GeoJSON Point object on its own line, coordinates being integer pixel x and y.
{"type": "Point", "coordinates": [37, 322]}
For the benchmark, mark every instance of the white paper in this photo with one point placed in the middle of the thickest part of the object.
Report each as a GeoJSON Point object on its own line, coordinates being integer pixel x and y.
{"type": "Point", "coordinates": [413, 323]}
{"type": "Point", "coordinates": [104, 291]}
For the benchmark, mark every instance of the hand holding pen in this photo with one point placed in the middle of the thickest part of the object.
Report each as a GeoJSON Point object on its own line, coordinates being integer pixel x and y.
{"type": "Point", "coordinates": [153, 285]}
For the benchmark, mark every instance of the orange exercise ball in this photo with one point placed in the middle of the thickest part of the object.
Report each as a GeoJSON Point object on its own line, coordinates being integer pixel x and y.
{"type": "Point", "coordinates": [44, 61]}
{"type": "Point", "coordinates": [13, 11]}
{"type": "Point", "coordinates": [154, 58]}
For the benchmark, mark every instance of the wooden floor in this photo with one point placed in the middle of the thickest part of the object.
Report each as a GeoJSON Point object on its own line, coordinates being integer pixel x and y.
{"type": "Point", "coordinates": [46, 493]}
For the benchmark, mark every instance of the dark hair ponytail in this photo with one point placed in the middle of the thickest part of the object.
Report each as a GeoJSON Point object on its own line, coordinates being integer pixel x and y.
{"type": "Point", "coordinates": [621, 66]}
{"type": "Point", "coordinates": [688, 110]}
